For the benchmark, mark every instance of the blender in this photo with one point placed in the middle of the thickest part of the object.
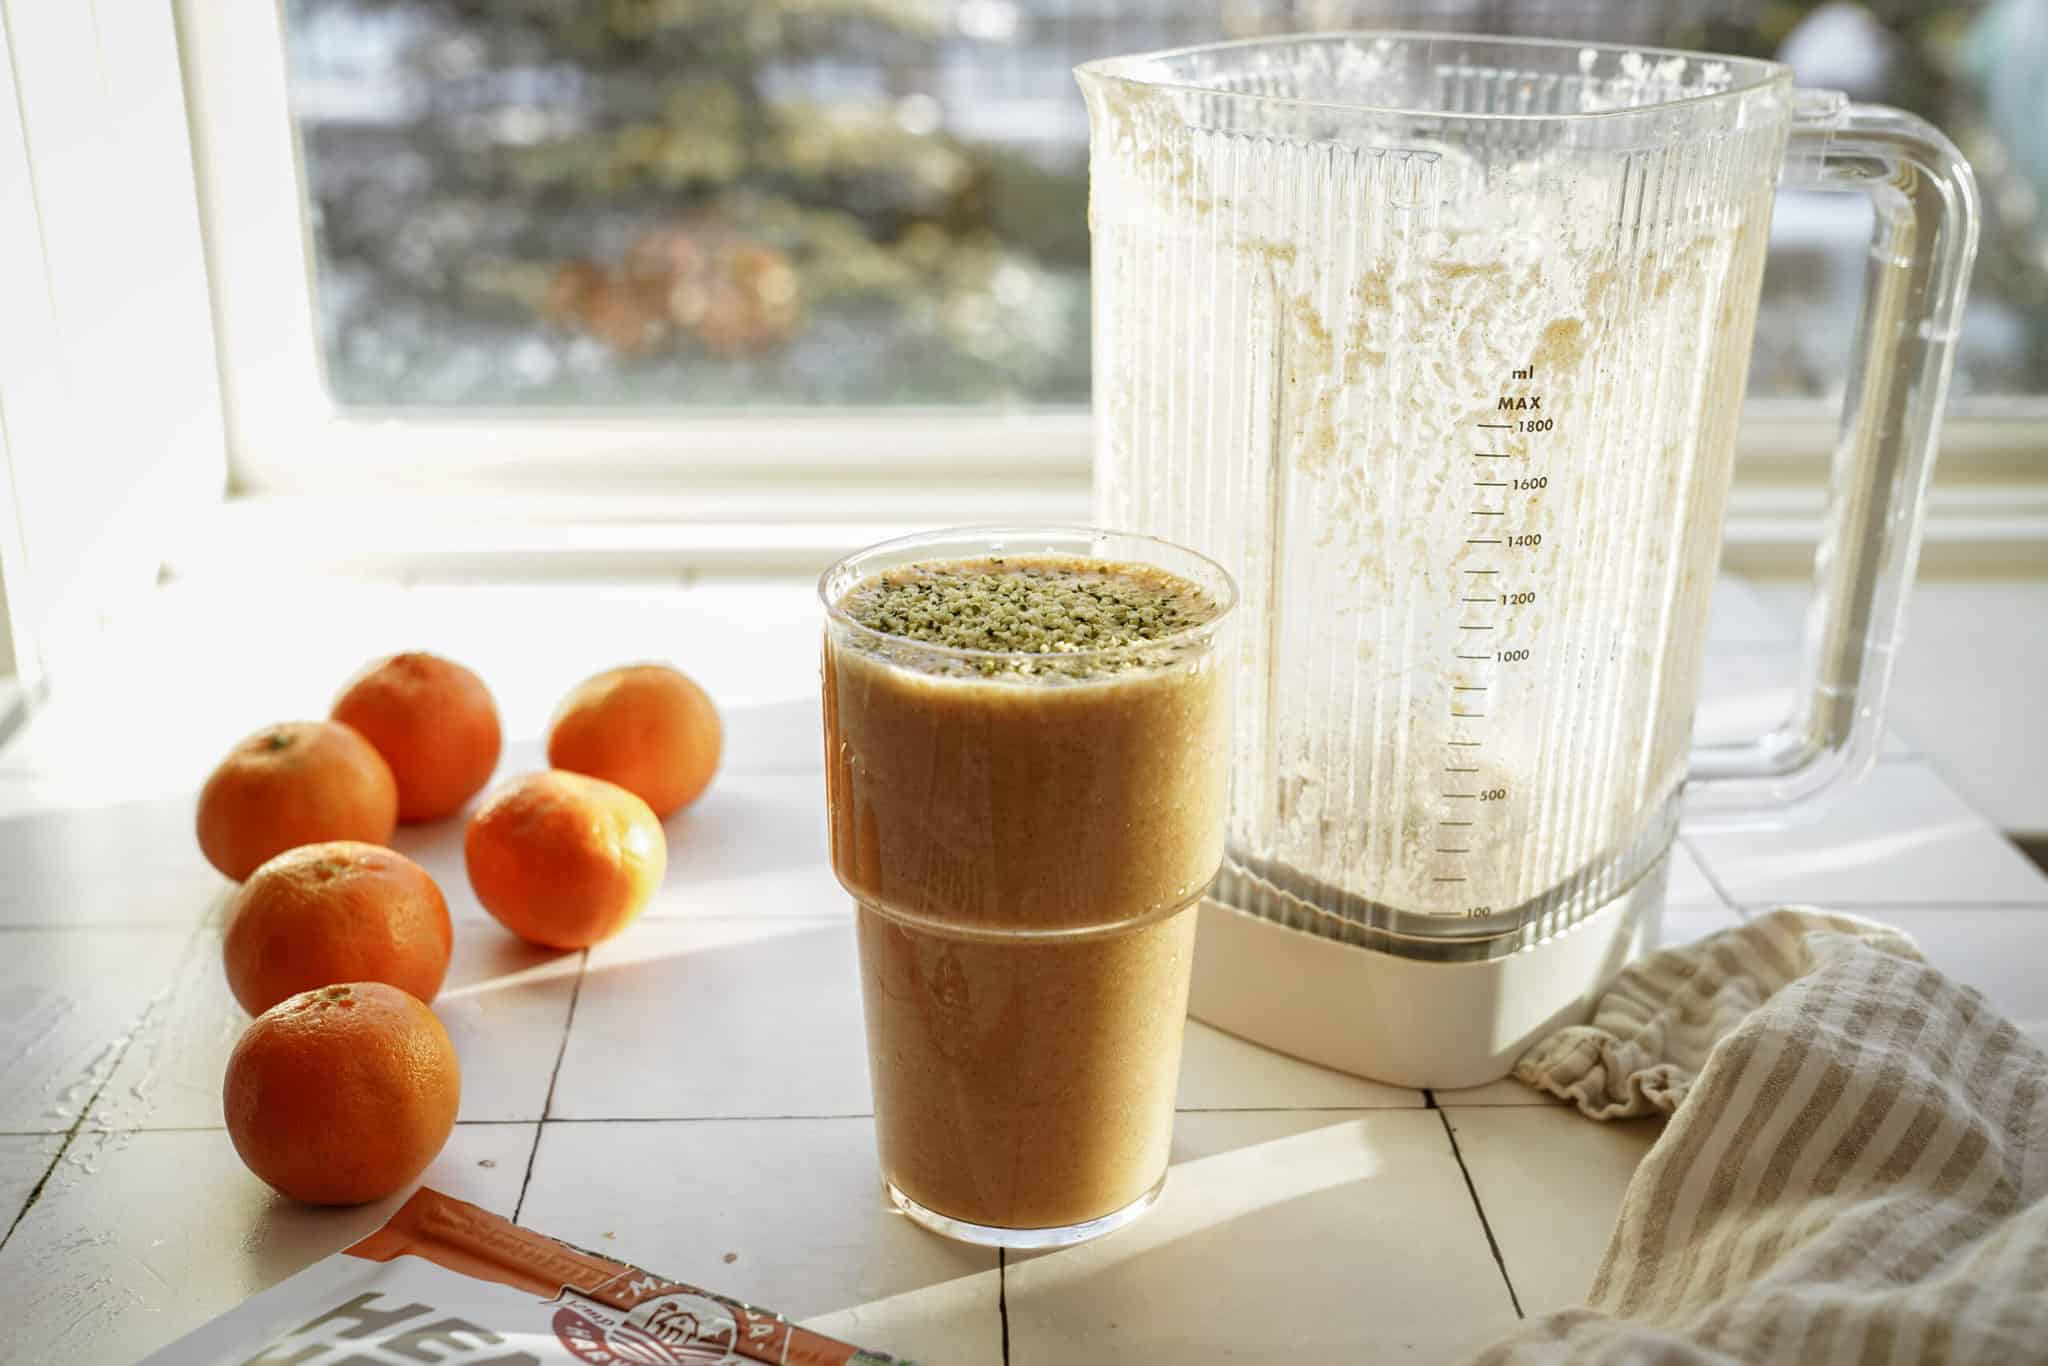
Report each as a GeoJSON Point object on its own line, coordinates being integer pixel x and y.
{"type": "Point", "coordinates": [1438, 344]}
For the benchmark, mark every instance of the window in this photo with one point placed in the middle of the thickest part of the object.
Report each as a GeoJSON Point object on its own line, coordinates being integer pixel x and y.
{"type": "Point", "coordinates": [649, 212]}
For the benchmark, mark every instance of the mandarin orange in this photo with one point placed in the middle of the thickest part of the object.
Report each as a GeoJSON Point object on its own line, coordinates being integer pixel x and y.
{"type": "Point", "coordinates": [336, 912]}
{"type": "Point", "coordinates": [646, 727]}
{"type": "Point", "coordinates": [342, 1094]}
{"type": "Point", "coordinates": [301, 782]}
{"type": "Point", "coordinates": [434, 722]}
{"type": "Point", "coordinates": [564, 860]}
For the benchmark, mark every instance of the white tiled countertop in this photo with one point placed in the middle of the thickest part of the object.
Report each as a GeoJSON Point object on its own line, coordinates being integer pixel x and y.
{"type": "Point", "coordinates": [693, 1096]}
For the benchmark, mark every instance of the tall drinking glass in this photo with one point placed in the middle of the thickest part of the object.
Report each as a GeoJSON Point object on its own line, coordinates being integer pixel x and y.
{"type": "Point", "coordinates": [1026, 832]}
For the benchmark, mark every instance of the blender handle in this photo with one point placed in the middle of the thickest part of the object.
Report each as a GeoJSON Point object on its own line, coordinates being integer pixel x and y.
{"type": "Point", "coordinates": [1925, 203]}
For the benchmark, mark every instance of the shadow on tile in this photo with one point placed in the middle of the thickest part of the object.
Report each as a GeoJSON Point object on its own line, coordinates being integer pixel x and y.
{"type": "Point", "coordinates": [281, 1236]}
{"type": "Point", "coordinates": [1551, 1182]}
{"type": "Point", "coordinates": [504, 1003]}
{"type": "Point", "coordinates": [437, 847]}
{"type": "Point", "coordinates": [747, 824]}
{"type": "Point", "coordinates": [1220, 1071]}
{"type": "Point", "coordinates": [487, 961]}
{"type": "Point", "coordinates": [718, 1018]}
{"type": "Point", "coordinates": [785, 1213]}
{"type": "Point", "coordinates": [949, 1322]}
{"type": "Point", "coordinates": [1355, 1225]}
{"type": "Point", "coordinates": [137, 1238]}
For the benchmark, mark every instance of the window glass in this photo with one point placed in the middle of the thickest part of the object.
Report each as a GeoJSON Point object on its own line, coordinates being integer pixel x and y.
{"type": "Point", "coordinates": [794, 203]}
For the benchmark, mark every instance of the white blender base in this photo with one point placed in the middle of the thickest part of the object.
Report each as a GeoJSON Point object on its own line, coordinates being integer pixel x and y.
{"type": "Point", "coordinates": [1408, 1021]}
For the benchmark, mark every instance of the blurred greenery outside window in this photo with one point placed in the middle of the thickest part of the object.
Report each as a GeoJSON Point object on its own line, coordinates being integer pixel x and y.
{"type": "Point", "coordinates": [786, 204]}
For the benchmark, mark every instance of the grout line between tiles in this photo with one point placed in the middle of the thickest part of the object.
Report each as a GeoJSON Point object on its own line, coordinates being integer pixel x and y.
{"type": "Point", "coordinates": [1485, 1226]}
{"type": "Point", "coordinates": [554, 1074]}
{"type": "Point", "coordinates": [1504, 1105]}
{"type": "Point", "coordinates": [36, 1191]}
{"type": "Point", "coordinates": [1003, 1298]}
{"type": "Point", "coordinates": [113, 1068]}
{"type": "Point", "coordinates": [1291, 1109]}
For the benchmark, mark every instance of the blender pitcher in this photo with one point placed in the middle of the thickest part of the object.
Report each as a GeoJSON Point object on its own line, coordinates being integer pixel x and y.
{"type": "Point", "coordinates": [1437, 344]}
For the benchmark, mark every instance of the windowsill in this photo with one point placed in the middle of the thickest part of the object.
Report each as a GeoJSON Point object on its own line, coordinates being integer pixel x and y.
{"type": "Point", "coordinates": [546, 536]}
{"type": "Point", "coordinates": [1977, 522]}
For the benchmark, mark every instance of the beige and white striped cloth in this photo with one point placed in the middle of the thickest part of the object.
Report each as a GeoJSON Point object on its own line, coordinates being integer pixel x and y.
{"type": "Point", "coordinates": [1856, 1168]}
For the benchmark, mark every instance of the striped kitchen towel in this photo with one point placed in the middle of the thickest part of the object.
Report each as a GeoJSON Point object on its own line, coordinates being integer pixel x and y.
{"type": "Point", "coordinates": [1854, 1171]}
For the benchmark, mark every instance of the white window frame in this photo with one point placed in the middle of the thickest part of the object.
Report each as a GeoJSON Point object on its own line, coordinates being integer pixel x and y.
{"type": "Point", "coordinates": [287, 436]}
{"type": "Point", "coordinates": [108, 385]}
{"type": "Point", "coordinates": [287, 440]}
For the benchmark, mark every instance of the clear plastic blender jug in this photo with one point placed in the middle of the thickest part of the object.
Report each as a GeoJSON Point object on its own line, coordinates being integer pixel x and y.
{"type": "Point", "coordinates": [1438, 344]}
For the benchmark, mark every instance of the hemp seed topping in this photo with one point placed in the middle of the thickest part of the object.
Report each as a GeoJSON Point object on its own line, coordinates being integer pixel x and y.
{"type": "Point", "coordinates": [1041, 605]}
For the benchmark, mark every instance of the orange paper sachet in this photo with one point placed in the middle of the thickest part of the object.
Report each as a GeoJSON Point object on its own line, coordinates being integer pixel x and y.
{"type": "Point", "coordinates": [446, 1281]}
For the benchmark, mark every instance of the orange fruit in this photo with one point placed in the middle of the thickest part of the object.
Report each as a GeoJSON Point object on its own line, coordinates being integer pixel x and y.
{"type": "Point", "coordinates": [564, 860]}
{"type": "Point", "coordinates": [336, 912]}
{"type": "Point", "coordinates": [342, 1094]}
{"type": "Point", "coordinates": [296, 783]}
{"type": "Point", "coordinates": [645, 727]}
{"type": "Point", "coordinates": [435, 724]}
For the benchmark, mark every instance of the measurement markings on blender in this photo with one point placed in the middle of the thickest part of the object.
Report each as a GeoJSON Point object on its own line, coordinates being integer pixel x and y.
{"type": "Point", "coordinates": [1464, 763]}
